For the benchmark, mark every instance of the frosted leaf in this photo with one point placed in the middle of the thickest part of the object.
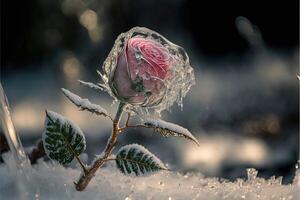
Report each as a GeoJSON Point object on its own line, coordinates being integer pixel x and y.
{"type": "Point", "coordinates": [177, 84]}
{"type": "Point", "coordinates": [84, 104]}
{"type": "Point", "coordinates": [169, 129]}
{"type": "Point", "coordinates": [91, 85]}
{"type": "Point", "coordinates": [137, 159]}
{"type": "Point", "coordinates": [62, 139]}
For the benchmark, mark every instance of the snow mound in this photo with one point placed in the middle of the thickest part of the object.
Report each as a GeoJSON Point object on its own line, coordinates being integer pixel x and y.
{"type": "Point", "coordinates": [52, 181]}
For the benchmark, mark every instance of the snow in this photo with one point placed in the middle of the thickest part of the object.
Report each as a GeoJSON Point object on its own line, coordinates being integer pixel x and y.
{"type": "Point", "coordinates": [167, 128]}
{"type": "Point", "coordinates": [52, 181]}
{"type": "Point", "coordinates": [84, 104]}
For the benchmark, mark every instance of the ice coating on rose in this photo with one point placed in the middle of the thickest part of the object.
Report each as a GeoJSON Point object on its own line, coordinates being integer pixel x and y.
{"type": "Point", "coordinates": [142, 67]}
{"type": "Point", "coordinates": [147, 71]}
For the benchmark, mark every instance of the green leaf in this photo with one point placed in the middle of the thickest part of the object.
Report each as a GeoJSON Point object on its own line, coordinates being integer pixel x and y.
{"type": "Point", "coordinates": [137, 159]}
{"type": "Point", "coordinates": [62, 139]}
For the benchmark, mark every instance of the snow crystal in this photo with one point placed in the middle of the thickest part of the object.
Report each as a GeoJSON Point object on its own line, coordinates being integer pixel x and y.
{"type": "Point", "coordinates": [170, 129]}
{"type": "Point", "coordinates": [84, 104]}
{"type": "Point", "coordinates": [52, 181]}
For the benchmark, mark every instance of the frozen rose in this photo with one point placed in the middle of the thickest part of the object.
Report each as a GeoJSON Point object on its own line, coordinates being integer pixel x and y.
{"type": "Point", "coordinates": [142, 67]}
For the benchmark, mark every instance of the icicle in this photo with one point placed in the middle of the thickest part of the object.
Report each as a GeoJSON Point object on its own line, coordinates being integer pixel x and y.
{"type": "Point", "coordinates": [11, 135]}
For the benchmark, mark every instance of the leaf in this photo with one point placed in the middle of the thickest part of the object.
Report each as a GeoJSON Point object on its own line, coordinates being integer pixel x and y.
{"type": "Point", "coordinates": [62, 139]}
{"type": "Point", "coordinates": [137, 159]}
{"type": "Point", "coordinates": [169, 129]}
{"type": "Point", "coordinates": [91, 85]}
{"type": "Point", "coordinates": [98, 86]}
{"type": "Point", "coordinates": [84, 104]}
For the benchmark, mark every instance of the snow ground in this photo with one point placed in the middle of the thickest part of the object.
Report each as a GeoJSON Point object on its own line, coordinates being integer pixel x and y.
{"type": "Point", "coordinates": [52, 181]}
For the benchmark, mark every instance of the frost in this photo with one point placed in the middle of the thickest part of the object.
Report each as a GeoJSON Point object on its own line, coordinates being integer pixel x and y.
{"type": "Point", "coordinates": [181, 73]}
{"type": "Point", "coordinates": [84, 104]}
{"type": "Point", "coordinates": [91, 85]}
{"type": "Point", "coordinates": [52, 181]}
{"type": "Point", "coordinates": [169, 129]}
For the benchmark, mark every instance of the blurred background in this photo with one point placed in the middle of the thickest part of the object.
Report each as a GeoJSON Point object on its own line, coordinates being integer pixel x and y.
{"type": "Point", "coordinates": [243, 108]}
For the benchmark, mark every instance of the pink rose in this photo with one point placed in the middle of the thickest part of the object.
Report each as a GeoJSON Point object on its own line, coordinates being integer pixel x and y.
{"type": "Point", "coordinates": [147, 71]}
{"type": "Point", "coordinates": [141, 70]}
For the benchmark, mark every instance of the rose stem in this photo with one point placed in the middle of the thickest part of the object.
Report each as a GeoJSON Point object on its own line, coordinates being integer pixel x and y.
{"type": "Point", "coordinates": [86, 177]}
{"type": "Point", "coordinates": [132, 126]}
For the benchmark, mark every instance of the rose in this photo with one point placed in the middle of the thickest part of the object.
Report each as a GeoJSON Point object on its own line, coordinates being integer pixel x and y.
{"type": "Point", "coordinates": [141, 71]}
{"type": "Point", "coordinates": [147, 72]}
